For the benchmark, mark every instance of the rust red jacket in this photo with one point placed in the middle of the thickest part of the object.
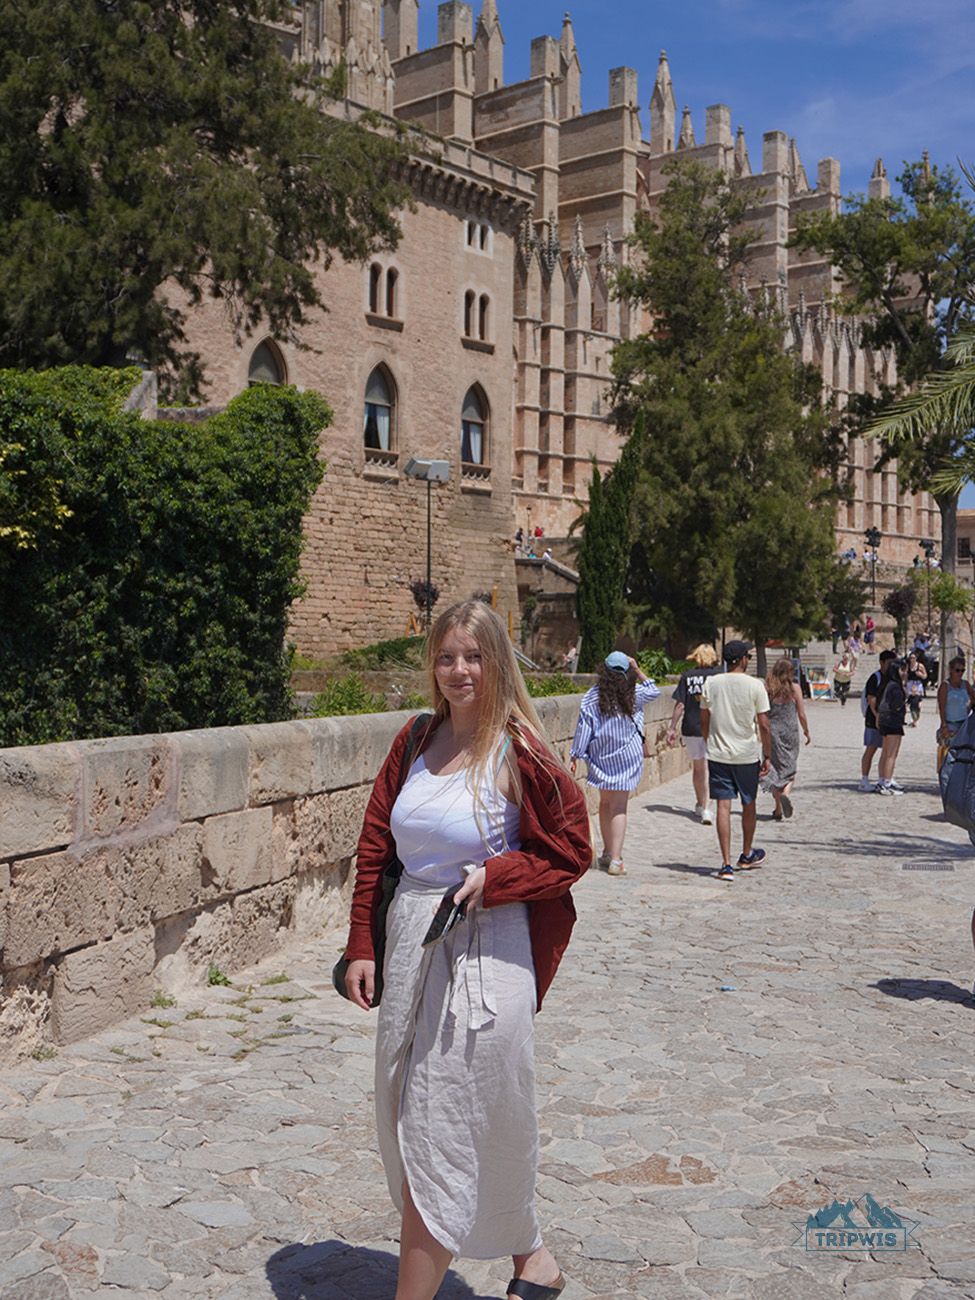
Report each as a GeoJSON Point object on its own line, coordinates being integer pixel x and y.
{"type": "Point", "coordinates": [554, 852]}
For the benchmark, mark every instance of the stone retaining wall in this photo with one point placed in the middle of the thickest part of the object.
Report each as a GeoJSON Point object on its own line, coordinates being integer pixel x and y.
{"type": "Point", "coordinates": [129, 865]}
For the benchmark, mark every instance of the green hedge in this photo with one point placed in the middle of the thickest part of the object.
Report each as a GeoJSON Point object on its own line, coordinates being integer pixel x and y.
{"type": "Point", "coordinates": [402, 652]}
{"type": "Point", "coordinates": [149, 585]}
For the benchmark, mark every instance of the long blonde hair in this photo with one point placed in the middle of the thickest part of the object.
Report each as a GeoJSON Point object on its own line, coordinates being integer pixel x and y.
{"type": "Point", "coordinates": [505, 706]}
{"type": "Point", "coordinates": [780, 680]}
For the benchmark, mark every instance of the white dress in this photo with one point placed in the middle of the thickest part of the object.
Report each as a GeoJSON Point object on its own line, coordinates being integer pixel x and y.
{"type": "Point", "coordinates": [455, 1070]}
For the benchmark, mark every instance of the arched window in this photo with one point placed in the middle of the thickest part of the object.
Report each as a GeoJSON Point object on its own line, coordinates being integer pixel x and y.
{"type": "Point", "coordinates": [470, 301]}
{"type": "Point", "coordinates": [375, 279]}
{"type": "Point", "coordinates": [482, 317]}
{"type": "Point", "coordinates": [391, 278]}
{"type": "Point", "coordinates": [474, 428]}
{"type": "Point", "coordinates": [266, 365]}
{"type": "Point", "coordinates": [378, 431]}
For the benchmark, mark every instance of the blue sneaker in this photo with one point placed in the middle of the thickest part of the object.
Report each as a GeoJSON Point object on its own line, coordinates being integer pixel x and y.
{"type": "Point", "coordinates": [727, 872]}
{"type": "Point", "coordinates": [753, 859]}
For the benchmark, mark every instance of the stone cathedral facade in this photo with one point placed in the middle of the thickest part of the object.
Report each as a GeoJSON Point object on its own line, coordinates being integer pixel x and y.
{"type": "Point", "coordinates": [485, 338]}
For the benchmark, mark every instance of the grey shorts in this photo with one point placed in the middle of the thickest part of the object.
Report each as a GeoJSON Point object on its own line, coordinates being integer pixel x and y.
{"type": "Point", "coordinates": [871, 736]}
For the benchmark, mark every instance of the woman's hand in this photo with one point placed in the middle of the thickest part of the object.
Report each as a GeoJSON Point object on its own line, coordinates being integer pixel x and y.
{"type": "Point", "coordinates": [671, 738]}
{"type": "Point", "coordinates": [472, 890]}
{"type": "Point", "coordinates": [360, 981]}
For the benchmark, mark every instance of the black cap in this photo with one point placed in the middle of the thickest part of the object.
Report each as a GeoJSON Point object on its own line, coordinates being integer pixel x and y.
{"type": "Point", "coordinates": [735, 650]}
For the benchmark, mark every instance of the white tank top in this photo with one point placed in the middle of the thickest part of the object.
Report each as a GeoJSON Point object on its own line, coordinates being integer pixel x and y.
{"type": "Point", "coordinates": [441, 831]}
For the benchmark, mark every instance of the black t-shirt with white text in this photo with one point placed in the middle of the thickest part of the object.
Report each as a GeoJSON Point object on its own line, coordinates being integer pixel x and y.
{"type": "Point", "coordinates": [688, 692]}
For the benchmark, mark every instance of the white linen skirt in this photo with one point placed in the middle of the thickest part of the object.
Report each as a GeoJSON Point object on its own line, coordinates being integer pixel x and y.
{"type": "Point", "coordinates": [455, 1074]}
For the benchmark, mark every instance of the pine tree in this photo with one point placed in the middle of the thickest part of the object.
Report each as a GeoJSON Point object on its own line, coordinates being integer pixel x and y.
{"type": "Point", "coordinates": [602, 557]}
{"type": "Point", "coordinates": [735, 485]}
{"type": "Point", "coordinates": [171, 144]}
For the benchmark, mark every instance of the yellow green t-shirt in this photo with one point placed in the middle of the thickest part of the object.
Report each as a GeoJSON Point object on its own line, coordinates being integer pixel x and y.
{"type": "Point", "coordinates": [733, 701]}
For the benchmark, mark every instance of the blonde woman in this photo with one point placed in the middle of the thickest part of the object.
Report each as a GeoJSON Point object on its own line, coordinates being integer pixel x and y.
{"type": "Point", "coordinates": [483, 810]}
{"type": "Point", "coordinates": [787, 714]}
{"type": "Point", "coordinates": [687, 711]}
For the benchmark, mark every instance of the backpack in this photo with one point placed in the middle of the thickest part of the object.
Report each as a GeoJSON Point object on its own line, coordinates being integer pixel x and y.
{"type": "Point", "coordinates": [886, 716]}
{"type": "Point", "coordinates": [957, 779]}
{"type": "Point", "coordinates": [863, 695]}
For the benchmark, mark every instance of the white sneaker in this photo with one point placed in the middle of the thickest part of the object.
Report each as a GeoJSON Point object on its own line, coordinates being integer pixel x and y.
{"type": "Point", "coordinates": [866, 785]}
{"type": "Point", "coordinates": [882, 788]}
{"type": "Point", "coordinates": [698, 810]}
{"type": "Point", "coordinates": [896, 786]}
{"type": "Point", "coordinates": [706, 817]}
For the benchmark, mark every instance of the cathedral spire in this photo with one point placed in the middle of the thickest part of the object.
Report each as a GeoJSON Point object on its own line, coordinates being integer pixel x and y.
{"type": "Point", "coordinates": [607, 262]}
{"type": "Point", "coordinates": [663, 108]}
{"type": "Point", "coordinates": [568, 41]}
{"type": "Point", "coordinates": [570, 70]}
{"type": "Point", "coordinates": [488, 50]}
{"type": "Point", "coordinates": [577, 249]}
{"type": "Point", "coordinates": [743, 166]}
{"type": "Point", "coordinates": [686, 140]}
{"type": "Point", "coordinates": [797, 172]}
{"type": "Point", "coordinates": [879, 186]}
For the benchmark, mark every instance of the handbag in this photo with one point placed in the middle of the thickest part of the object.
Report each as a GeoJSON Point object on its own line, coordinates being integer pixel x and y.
{"type": "Point", "coordinates": [957, 778]}
{"type": "Point", "coordinates": [390, 879]}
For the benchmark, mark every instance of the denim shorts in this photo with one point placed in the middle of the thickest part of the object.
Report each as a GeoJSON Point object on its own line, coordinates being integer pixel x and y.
{"type": "Point", "coordinates": [728, 780]}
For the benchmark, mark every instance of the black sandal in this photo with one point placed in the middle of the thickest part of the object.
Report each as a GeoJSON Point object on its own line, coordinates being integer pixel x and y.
{"type": "Point", "coordinates": [532, 1291]}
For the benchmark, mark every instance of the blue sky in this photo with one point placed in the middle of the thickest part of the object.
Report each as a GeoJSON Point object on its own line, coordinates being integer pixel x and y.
{"type": "Point", "coordinates": [849, 79]}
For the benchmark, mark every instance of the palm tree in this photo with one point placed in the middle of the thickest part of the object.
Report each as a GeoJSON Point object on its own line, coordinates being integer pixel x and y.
{"type": "Point", "coordinates": [945, 400]}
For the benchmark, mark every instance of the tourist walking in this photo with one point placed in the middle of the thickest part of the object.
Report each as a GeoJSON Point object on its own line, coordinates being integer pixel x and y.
{"type": "Point", "coordinates": [854, 645]}
{"type": "Point", "coordinates": [872, 739]}
{"type": "Point", "coordinates": [869, 635]}
{"type": "Point", "coordinates": [917, 675]}
{"type": "Point", "coordinates": [475, 803]}
{"type": "Point", "coordinates": [786, 715]}
{"type": "Point", "coordinates": [687, 711]}
{"type": "Point", "coordinates": [842, 676]}
{"type": "Point", "coordinates": [734, 723]}
{"type": "Point", "coordinates": [891, 711]}
{"type": "Point", "coordinates": [956, 699]}
{"type": "Point", "coordinates": [610, 737]}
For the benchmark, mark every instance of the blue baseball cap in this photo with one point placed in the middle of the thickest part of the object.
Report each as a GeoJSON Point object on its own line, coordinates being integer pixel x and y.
{"type": "Point", "coordinates": [618, 661]}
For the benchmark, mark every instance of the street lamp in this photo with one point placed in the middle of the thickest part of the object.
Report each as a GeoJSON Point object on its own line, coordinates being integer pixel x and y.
{"type": "Point", "coordinates": [432, 471]}
{"type": "Point", "coordinates": [873, 536]}
{"type": "Point", "coordinates": [927, 546]}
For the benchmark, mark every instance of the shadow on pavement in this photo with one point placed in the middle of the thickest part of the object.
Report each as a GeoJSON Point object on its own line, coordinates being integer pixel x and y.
{"type": "Point", "coordinates": [685, 867]}
{"type": "Point", "coordinates": [334, 1270]}
{"type": "Point", "coordinates": [688, 814]}
{"type": "Point", "coordinates": [908, 847]}
{"type": "Point", "coordinates": [913, 990]}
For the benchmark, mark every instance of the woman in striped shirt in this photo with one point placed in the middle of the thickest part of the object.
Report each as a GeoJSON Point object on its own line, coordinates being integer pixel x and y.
{"type": "Point", "coordinates": [610, 738]}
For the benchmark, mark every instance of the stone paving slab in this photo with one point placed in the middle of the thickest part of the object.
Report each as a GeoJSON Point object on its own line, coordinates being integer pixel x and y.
{"type": "Point", "coordinates": [715, 1063]}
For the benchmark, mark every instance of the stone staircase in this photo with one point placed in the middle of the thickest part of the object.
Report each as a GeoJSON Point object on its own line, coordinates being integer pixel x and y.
{"type": "Point", "coordinates": [819, 654]}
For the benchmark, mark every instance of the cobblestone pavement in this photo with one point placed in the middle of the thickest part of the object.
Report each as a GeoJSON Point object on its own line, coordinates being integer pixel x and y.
{"type": "Point", "coordinates": [715, 1062]}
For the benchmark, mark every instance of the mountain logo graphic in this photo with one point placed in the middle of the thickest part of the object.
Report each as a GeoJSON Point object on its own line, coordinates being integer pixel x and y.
{"type": "Point", "coordinates": [855, 1225]}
